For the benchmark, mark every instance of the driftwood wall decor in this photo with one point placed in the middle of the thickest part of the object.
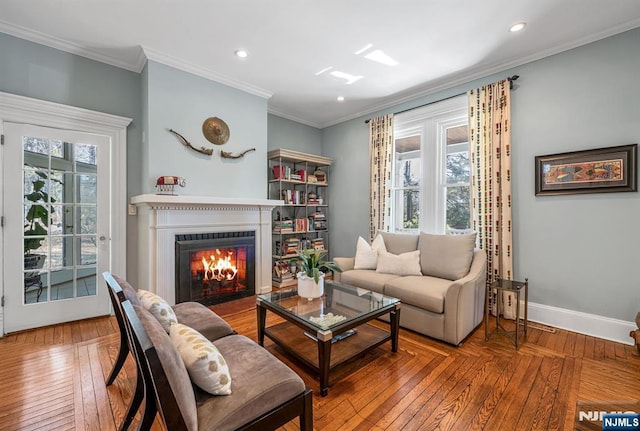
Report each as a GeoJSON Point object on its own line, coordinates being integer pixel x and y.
{"type": "Point", "coordinates": [183, 141]}
{"type": "Point", "coordinates": [227, 155]}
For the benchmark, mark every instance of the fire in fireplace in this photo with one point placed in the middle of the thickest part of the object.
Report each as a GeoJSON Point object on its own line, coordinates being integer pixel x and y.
{"type": "Point", "coordinates": [215, 267]}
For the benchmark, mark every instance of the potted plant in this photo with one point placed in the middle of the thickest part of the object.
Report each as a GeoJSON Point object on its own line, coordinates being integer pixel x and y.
{"type": "Point", "coordinates": [310, 276]}
{"type": "Point", "coordinates": [37, 220]}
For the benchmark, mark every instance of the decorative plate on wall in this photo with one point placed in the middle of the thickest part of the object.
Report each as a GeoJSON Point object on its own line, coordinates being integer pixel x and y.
{"type": "Point", "coordinates": [215, 130]}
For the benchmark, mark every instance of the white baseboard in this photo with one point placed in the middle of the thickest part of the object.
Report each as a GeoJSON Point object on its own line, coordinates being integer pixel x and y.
{"type": "Point", "coordinates": [582, 323]}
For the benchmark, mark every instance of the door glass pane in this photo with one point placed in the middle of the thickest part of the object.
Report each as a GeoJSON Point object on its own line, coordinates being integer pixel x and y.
{"type": "Point", "coordinates": [60, 209]}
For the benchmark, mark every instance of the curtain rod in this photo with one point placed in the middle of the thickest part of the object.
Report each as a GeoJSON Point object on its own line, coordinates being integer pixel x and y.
{"type": "Point", "coordinates": [510, 79]}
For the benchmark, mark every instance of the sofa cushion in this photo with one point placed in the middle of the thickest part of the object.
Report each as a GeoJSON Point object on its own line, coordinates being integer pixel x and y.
{"type": "Point", "coordinates": [203, 320]}
{"type": "Point", "coordinates": [205, 364]}
{"type": "Point", "coordinates": [446, 256]}
{"type": "Point", "coordinates": [367, 279]}
{"type": "Point", "coordinates": [173, 366]}
{"type": "Point", "coordinates": [398, 243]}
{"type": "Point", "coordinates": [420, 291]}
{"type": "Point", "coordinates": [157, 306]}
{"type": "Point", "coordinates": [367, 254]}
{"type": "Point", "coordinates": [260, 383]}
{"type": "Point", "coordinates": [399, 264]}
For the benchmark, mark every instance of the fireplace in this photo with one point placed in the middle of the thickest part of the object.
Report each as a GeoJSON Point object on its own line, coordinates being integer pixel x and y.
{"type": "Point", "coordinates": [215, 267]}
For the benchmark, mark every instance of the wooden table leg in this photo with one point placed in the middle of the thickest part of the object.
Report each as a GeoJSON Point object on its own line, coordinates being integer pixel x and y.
{"type": "Point", "coordinates": [324, 359]}
{"type": "Point", "coordinates": [395, 328]}
{"type": "Point", "coordinates": [262, 320]}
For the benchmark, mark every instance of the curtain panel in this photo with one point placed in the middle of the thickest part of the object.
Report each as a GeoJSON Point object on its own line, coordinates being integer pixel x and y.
{"type": "Point", "coordinates": [380, 159]}
{"type": "Point", "coordinates": [490, 144]}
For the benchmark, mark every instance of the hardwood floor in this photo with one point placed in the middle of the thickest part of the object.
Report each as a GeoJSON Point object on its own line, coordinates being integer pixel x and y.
{"type": "Point", "coordinates": [53, 379]}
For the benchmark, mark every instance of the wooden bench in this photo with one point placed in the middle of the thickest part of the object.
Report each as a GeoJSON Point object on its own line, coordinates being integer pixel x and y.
{"type": "Point", "coordinates": [266, 394]}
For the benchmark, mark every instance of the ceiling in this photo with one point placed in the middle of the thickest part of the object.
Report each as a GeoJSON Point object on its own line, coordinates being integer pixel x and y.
{"type": "Point", "coordinates": [437, 43]}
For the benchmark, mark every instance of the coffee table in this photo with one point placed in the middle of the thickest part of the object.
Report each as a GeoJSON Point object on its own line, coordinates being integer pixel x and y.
{"type": "Point", "coordinates": [328, 331]}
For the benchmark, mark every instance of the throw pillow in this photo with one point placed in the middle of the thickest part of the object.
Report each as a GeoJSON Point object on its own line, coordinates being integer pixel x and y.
{"type": "Point", "coordinates": [446, 256]}
{"type": "Point", "coordinates": [367, 255]}
{"type": "Point", "coordinates": [399, 264]}
{"type": "Point", "coordinates": [204, 362]}
{"type": "Point", "coordinates": [157, 306]}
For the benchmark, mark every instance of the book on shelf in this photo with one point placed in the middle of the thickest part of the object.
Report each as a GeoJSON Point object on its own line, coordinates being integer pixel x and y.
{"type": "Point", "coordinates": [302, 225]}
{"type": "Point", "coordinates": [319, 220]}
{"type": "Point", "coordinates": [295, 197]}
{"type": "Point", "coordinates": [282, 270]}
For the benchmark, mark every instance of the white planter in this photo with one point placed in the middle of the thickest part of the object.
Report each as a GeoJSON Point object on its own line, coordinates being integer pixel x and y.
{"type": "Point", "coordinates": [308, 288]}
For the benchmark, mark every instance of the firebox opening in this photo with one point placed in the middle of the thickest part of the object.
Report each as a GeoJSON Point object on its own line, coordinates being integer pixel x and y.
{"type": "Point", "coordinates": [215, 267]}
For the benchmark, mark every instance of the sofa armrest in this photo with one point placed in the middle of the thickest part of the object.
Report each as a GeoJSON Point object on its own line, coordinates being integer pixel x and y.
{"type": "Point", "coordinates": [464, 300]}
{"type": "Point", "coordinates": [345, 264]}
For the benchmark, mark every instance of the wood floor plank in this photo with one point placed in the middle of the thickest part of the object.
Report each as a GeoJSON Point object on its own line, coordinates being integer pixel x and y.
{"type": "Point", "coordinates": [53, 379]}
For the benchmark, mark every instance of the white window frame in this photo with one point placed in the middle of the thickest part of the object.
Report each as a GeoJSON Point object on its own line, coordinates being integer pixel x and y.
{"type": "Point", "coordinates": [431, 123]}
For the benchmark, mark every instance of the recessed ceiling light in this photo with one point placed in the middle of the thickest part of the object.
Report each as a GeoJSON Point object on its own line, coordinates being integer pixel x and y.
{"type": "Point", "coordinates": [363, 49]}
{"type": "Point", "coordinates": [241, 53]}
{"type": "Point", "coordinates": [340, 98]}
{"type": "Point", "coordinates": [346, 76]}
{"type": "Point", "coordinates": [517, 27]}
{"type": "Point", "coordinates": [324, 70]}
{"type": "Point", "coordinates": [380, 57]}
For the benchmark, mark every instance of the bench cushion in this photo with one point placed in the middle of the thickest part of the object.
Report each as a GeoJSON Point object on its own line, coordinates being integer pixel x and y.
{"type": "Point", "coordinates": [202, 319]}
{"type": "Point", "coordinates": [260, 383]}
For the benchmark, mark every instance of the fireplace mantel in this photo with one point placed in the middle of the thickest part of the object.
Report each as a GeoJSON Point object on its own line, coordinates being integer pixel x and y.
{"type": "Point", "coordinates": [162, 217]}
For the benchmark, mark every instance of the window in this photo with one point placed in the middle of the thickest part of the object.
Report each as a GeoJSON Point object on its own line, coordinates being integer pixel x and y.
{"type": "Point", "coordinates": [431, 186]}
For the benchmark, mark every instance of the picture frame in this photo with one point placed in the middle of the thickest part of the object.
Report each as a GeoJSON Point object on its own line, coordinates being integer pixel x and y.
{"type": "Point", "coordinates": [600, 170]}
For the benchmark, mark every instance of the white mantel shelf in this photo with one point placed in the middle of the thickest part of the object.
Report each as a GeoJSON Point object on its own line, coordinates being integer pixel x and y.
{"type": "Point", "coordinates": [180, 200]}
{"type": "Point", "coordinates": [162, 217]}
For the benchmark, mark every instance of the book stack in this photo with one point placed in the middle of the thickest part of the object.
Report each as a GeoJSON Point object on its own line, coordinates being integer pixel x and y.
{"type": "Point", "coordinates": [283, 226]}
{"type": "Point", "coordinates": [319, 221]}
{"type": "Point", "coordinates": [317, 243]}
{"type": "Point", "coordinates": [291, 245]}
{"type": "Point", "coordinates": [282, 271]}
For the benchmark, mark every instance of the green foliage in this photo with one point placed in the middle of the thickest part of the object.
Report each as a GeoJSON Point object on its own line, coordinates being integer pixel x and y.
{"type": "Point", "coordinates": [39, 213]}
{"type": "Point", "coordinates": [310, 262]}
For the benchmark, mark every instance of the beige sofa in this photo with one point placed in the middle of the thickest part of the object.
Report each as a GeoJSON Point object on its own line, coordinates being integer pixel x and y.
{"type": "Point", "coordinates": [446, 301]}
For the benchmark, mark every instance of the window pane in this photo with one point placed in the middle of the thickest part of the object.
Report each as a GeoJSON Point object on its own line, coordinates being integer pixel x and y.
{"type": "Point", "coordinates": [86, 153]}
{"type": "Point", "coordinates": [408, 173]}
{"type": "Point", "coordinates": [458, 211]}
{"type": "Point", "coordinates": [458, 169]}
{"type": "Point", "coordinates": [88, 187]}
{"type": "Point", "coordinates": [43, 146]}
{"type": "Point", "coordinates": [408, 206]}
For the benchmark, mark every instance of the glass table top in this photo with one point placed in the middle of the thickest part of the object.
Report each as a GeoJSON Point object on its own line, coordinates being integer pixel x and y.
{"type": "Point", "coordinates": [340, 304]}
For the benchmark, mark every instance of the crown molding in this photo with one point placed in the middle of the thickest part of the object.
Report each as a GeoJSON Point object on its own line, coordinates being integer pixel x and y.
{"type": "Point", "coordinates": [70, 47]}
{"type": "Point", "coordinates": [288, 116]}
{"type": "Point", "coordinates": [194, 69]}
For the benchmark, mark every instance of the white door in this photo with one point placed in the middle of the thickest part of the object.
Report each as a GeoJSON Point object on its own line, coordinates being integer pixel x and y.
{"type": "Point", "coordinates": [56, 225]}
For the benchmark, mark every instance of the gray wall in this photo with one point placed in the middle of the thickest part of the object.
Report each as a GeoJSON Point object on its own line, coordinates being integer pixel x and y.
{"type": "Point", "coordinates": [580, 252]}
{"type": "Point", "coordinates": [284, 133]}
{"type": "Point", "coordinates": [33, 70]}
{"type": "Point", "coordinates": [182, 101]}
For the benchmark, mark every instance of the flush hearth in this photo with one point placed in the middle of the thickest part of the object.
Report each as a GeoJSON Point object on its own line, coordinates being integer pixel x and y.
{"type": "Point", "coordinates": [214, 267]}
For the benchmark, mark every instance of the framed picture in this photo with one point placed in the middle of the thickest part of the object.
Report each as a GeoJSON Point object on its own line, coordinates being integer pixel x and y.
{"type": "Point", "coordinates": [600, 170]}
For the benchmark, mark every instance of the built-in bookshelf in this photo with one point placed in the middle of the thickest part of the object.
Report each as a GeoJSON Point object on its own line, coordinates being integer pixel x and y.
{"type": "Point", "coordinates": [301, 181]}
